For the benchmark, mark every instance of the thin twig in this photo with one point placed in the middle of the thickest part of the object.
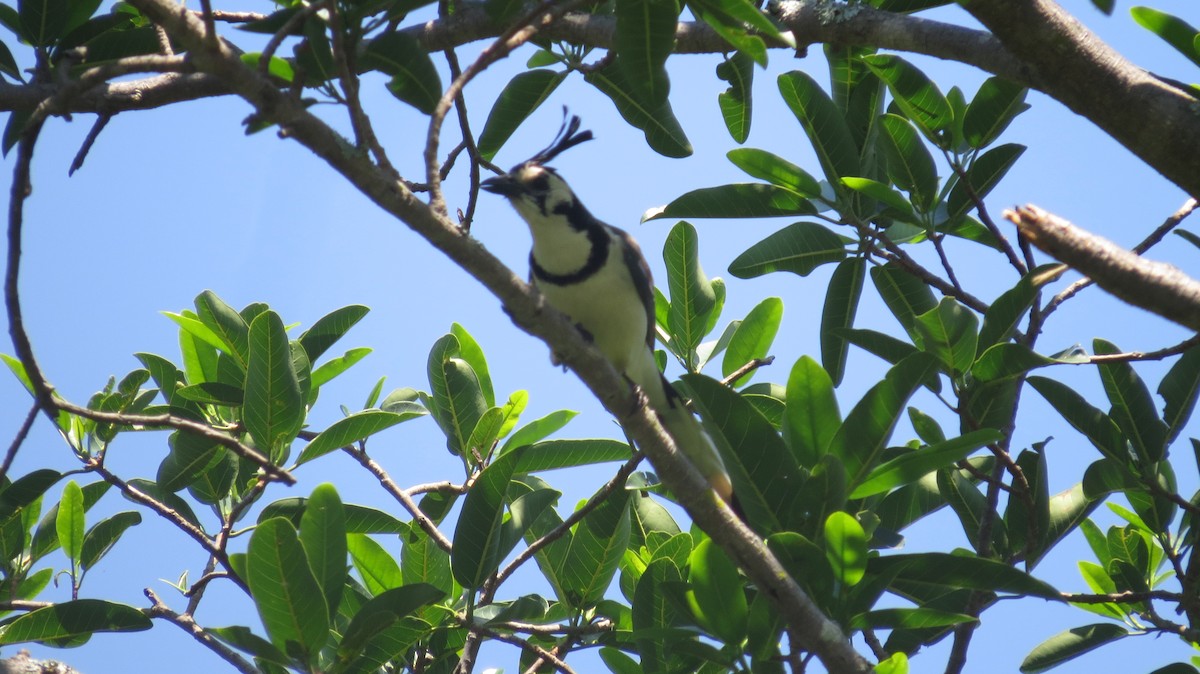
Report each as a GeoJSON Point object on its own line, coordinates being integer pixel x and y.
{"type": "Point", "coordinates": [102, 121]}
{"type": "Point", "coordinates": [236, 17]}
{"type": "Point", "coordinates": [15, 446]}
{"type": "Point", "coordinates": [24, 605]}
{"type": "Point", "coordinates": [221, 541]}
{"type": "Point", "coordinates": [464, 125]}
{"type": "Point", "coordinates": [747, 369]}
{"type": "Point", "coordinates": [389, 485]}
{"type": "Point", "coordinates": [446, 486]}
{"type": "Point", "coordinates": [187, 624]}
{"type": "Point", "coordinates": [1127, 597]}
{"type": "Point", "coordinates": [1166, 352]}
{"type": "Point", "coordinates": [898, 255]}
{"type": "Point", "coordinates": [986, 218]}
{"type": "Point", "coordinates": [277, 38]}
{"type": "Point", "coordinates": [534, 649]}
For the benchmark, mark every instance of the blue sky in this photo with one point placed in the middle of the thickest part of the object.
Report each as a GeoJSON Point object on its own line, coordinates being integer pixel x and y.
{"type": "Point", "coordinates": [178, 200]}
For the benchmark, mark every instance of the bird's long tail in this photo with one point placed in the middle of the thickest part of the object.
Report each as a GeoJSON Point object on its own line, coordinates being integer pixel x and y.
{"type": "Point", "coordinates": [694, 442]}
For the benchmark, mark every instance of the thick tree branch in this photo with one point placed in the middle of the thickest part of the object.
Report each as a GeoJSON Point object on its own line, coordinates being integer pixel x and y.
{"type": "Point", "coordinates": [1153, 286]}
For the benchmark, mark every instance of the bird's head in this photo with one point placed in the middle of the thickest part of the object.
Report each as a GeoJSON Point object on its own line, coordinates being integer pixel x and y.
{"type": "Point", "coordinates": [536, 190]}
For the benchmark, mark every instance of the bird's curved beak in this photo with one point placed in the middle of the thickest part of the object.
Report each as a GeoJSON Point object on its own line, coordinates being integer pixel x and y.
{"type": "Point", "coordinates": [504, 185]}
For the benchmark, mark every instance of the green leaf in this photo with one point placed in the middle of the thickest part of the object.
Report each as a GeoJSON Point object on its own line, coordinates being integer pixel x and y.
{"type": "Point", "coordinates": [323, 535]}
{"type": "Point", "coordinates": [190, 456]}
{"type": "Point", "coordinates": [241, 638]}
{"type": "Point", "coordinates": [596, 549]}
{"type": "Point", "coordinates": [285, 591]}
{"type": "Point", "coordinates": [70, 619]}
{"type": "Point", "coordinates": [1070, 644]}
{"type": "Point", "coordinates": [470, 351]}
{"type": "Point", "coordinates": [1132, 406]}
{"type": "Point", "coordinates": [274, 408]}
{"type": "Point", "coordinates": [692, 296]}
{"type": "Point", "coordinates": [457, 400]}
{"type": "Point", "coordinates": [775, 170]}
{"type": "Point", "coordinates": [653, 610]}
{"type": "Point", "coordinates": [1105, 6]}
{"type": "Point", "coordinates": [753, 338]}
{"type": "Point", "coordinates": [799, 248]}
{"type": "Point", "coordinates": [717, 596]}
{"type": "Point", "coordinates": [1007, 360]}
{"type": "Point", "coordinates": [329, 329]}
{"type": "Point", "coordinates": [915, 94]}
{"type": "Point", "coordinates": [764, 472]}
{"type": "Point", "coordinates": [1175, 31]}
{"type": "Point", "coordinates": [352, 429]}
{"type": "Point", "coordinates": [8, 64]}
{"type": "Point", "coordinates": [477, 537]}
{"type": "Point", "coordinates": [415, 80]}
{"type": "Point", "coordinates": [846, 548]}
{"type": "Point", "coordinates": [644, 38]}
{"type": "Point", "coordinates": [423, 561]}
{"type": "Point", "coordinates": [335, 366]}
{"type": "Point", "coordinates": [1179, 389]}
{"type": "Point", "coordinates": [739, 200]}
{"type": "Point", "coordinates": [908, 618]}
{"type": "Point", "coordinates": [1002, 316]}
{"type": "Point", "coordinates": [657, 121]}
{"type": "Point", "coordinates": [377, 568]}
{"type": "Point", "coordinates": [13, 130]}
{"type": "Point", "coordinates": [43, 21]}
{"type": "Point", "coordinates": [276, 67]}
{"type": "Point", "coordinates": [735, 102]}
{"type": "Point", "coordinates": [985, 172]}
{"type": "Point", "coordinates": [359, 519]}
{"type": "Point", "coordinates": [862, 437]}
{"type": "Point", "coordinates": [909, 163]}
{"type": "Point", "coordinates": [950, 333]}
{"type": "Point", "coordinates": [811, 417]}
{"type": "Point", "coordinates": [884, 194]}
{"type": "Point", "coordinates": [941, 570]}
{"type": "Point", "coordinates": [994, 107]}
{"type": "Point", "coordinates": [381, 612]}
{"type": "Point", "coordinates": [904, 294]}
{"type": "Point", "coordinates": [913, 466]}
{"type": "Point", "coordinates": [523, 94]}
{"type": "Point", "coordinates": [824, 124]}
{"type": "Point", "coordinates": [70, 523]}
{"type": "Point", "coordinates": [569, 453]}
{"type": "Point", "coordinates": [102, 537]}
{"type": "Point", "coordinates": [841, 305]}
{"type": "Point", "coordinates": [1097, 427]}
{"type": "Point", "coordinates": [213, 393]}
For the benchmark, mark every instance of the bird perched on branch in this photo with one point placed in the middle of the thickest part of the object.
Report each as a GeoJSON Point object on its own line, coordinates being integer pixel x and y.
{"type": "Point", "coordinates": [596, 275]}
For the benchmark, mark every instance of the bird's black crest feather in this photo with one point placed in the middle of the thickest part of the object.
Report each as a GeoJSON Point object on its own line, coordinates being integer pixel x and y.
{"type": "Point", "coordinates": [568, 137]}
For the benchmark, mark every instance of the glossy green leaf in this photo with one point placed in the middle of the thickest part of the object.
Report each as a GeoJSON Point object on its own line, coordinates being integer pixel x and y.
{"type": "Point", "coordinates": [70, 523]}
{"type": "Point", "coordinates": [643, 39]}
{"type": "Point", "coordinates": [837, 316]}
{"type": "Point", "coordinates": [663, 133]}
{"type": "Point", "coordinates": [1132, 407]}
{"type": "Point", "coordinates": [949, 332]}
{"type": "Point", "coordinates": [477, 537]}
{"type": "Point", "coordinates": [190, 455]}
{"type": "Point", "coordinates": [904, 294]}
{"type": "Point", "coordinates": [568, 453]}
{"type": "Point", "coordinates": [994, 107]}
{"type": "Point", "coordinates": [799, 248]}
{"type": "Point", "coordinates": [470, 351]}
{"type": "Point", "coordinates": [423, 561]}
{"type": "Point", "coordinates": [652, 610]}
{"type": "Point", "coordinates": [376, 566]}
{"type": "Point", "coordinates": [863, 435]}
{"type": "Point", "coordinates": [102, 537]}
{"type": "Point", "coordinates": [213, 393]}
{"type": "Point", "coordinates": [8, 64]}
{"type": "Point", "coordinates": [241, 638]}
{"type": "Point", "coordinates": [1010, 359]}
{"type": "Point", "coordinates": [595, 551]}
{"type": "Point", "coordinates": [882, 193]}
{"type": "Point", "coordinates": [824, 124]}
{"type": "Point", "coordinates": [692, 295]}
{"type": "Point", "coordinates": [1175, 31]}
{"type": "Point", "coordinates": [274, 408]}
{"type": "Point", "coordinates": [908, 618]}
{"type": "Point", "coordinates": [1070, 644]}
{"type": "Point", "coordinates": [764, 471]}
{"type": "Point", "coordinates": [43, 21]}
{"type": "Point", "coordinates": [909, 163]}
{"type": "Point", "coordinates": [1179, 389]}
{"type": "Point", "coordinates": [523, 94]}
{"type": "Point", "coordinates": [941, 570]}
{"type": "Point", "coordinates": [1001, 319]}
{"type": "Point", "coordinates": [753, 338]}
{"type": "Point", "coordinates": [457, 400]}
{"type": "Point", "coordinates": [45, 538]}
{"type": "Point", "coordinates": [381, 612]}
{"type": "Point", "coordinates": [739, 200]}
{"type": "Point", "coordinates": [335, 366]}
{"type": "Point", "coordinates": [1097, 427]}
{"type": "Point", "coordinates": [71, 619]}
{"type": "Point", "coordinates": [323, 535]}
{"type": "Point", "coordinates": [985, 172]}
{"type": "Point", "coordinates": [349, 430]}
{"type": "Point", "coordinates": [845, 548]}
{"type": "Point", "coordinates": [415, 79]}
{"type": "Point", "coordinates": [1105, 6]}
{"type": "Point", "coordinates": [359, 519]}
{"type": "Point", "coordinates": [775, 170]}
{"type": "Point", "coordinates": [735, 102]}
{"type": "Point", "coordinates": [912, 466]}
{"type": "Point", "coordinates": [811, 417]}
{"type": "Point", "coordinates": [329, 329]}
{"type": "Point", "coordinates": [733, 29]}
{"type": "Point", "coordinates": [285, 591]}
{"type": "Point", "coordinates": [916, 95]}
{"type": "Point", "coordinates": [717, 596]}
{"type": "Point", "coordinates": [806, 562]}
